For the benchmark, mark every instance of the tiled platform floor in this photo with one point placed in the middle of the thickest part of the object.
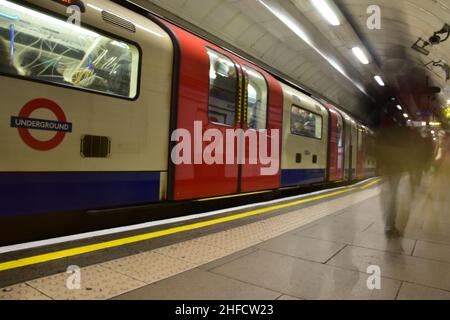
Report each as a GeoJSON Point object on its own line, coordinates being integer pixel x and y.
{"type": "Point", "coordinates": [318, 252]}
{"type": "Point", "coordinates": [328, 259]}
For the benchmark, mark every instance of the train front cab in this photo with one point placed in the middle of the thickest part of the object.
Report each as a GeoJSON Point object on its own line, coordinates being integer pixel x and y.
{"type": "Point", "coordinates": [305, 139]}
{"type": "Point", "coordinates": [103, 88]}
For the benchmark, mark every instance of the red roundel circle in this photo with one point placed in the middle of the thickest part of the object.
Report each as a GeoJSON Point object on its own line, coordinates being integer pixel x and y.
{"type": "Point", "coordinates": [25, 134]}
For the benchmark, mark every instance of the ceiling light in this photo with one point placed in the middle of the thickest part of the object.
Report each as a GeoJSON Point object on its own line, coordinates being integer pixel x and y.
{"type": "Point", "coordinates": [399, 107]}
{"type": "Point", "coordinates": [405, 115]}
{"type": "Point", "coordinates": [290, 23]}
{"type": "Point", "coordinates": [323, 7]}
{"type": "Point", "coordinates": [379, 80]}
{"type": "Point", "coordinates": [357, 51]}
{"type": "Point", "coordinates": [296, 27]}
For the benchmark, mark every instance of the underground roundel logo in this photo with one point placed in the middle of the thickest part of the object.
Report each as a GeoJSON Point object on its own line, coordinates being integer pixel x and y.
{"type": "Point", "coordinates": [24, 123]}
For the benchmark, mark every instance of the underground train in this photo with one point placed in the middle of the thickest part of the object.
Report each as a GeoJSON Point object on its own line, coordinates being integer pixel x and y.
{"type": "Point", "coordinates": [89, 113]}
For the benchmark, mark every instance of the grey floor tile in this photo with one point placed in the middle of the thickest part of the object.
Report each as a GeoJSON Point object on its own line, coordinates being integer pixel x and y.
{"type": "Point", "coordinates": [396, 266]}
{"type": "Point", "coordinates": [415, 232]}
{"type": "Point", "coordinates": [285, 297]}
{"type": "Point", "coordinates": [301, 247]}
{"type": "Point", "coordinates": [410, 291]}
{"type": "Point", "coordinates": [200, 285]}
{"type": "Point", "coordinates": [229, 258]}
{"type": "Point", "coordinates": [381, 242]}
{"type": "Point", "coordinates": [356, 219]}
{"type": "Point", "coordinates": [432, 250]}
{"type": "Point", "coordinates": [434, 237]}
{"type": "Point", "coordinates": [331, 232]}
{"type": "Point", "coordinates": [304, 279]}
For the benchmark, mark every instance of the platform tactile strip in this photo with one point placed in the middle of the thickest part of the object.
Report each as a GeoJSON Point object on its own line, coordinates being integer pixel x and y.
{"type": "Point", "coordinates": [97, 283]}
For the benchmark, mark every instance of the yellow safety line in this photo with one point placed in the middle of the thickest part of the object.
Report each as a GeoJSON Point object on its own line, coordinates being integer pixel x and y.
{"type": "Point", "coordinates": [234, 195]}
{"type": "Point", "coordinates": [13, 264]}
{"type": "Point", "coordinates": [370, 184]}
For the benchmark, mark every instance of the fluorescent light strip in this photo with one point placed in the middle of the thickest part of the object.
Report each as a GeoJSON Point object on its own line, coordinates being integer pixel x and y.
{"type": "Point", "coordinates": [379, 81]}
{"type": "Point", "coordinates": [289, 23]}
{"type": "Point", "coordinates": [357, 51]}
{"type": "Point", "coordinates": [405, 115]}
{"type": "Point", "coordinates": [327, 13]}
{"type": "Point", "coordinates": [399, 107]}
{"type": "Point", "coordinates": [294, 27]}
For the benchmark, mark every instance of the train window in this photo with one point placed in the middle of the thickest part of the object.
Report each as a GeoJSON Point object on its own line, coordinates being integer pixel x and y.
{"type": "Point", "coordinates": [256, 100]}
{"type": "Point", "coordinates": [306, 123]}
{"type": "Point", "coordinates": [43, 48]}
{"type": "Point", "coordinates": [223, 88]}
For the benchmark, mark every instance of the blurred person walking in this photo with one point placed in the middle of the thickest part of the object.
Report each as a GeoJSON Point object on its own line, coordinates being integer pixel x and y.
{"type": "Point", "coordinates": [392, 149]}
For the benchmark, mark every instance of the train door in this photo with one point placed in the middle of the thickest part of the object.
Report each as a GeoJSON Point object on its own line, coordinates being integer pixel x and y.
{"type": "Point", "coordinates": [221, 108]}
{"type": "Point", "coordinates": [336, 146]}
{"type": "Point", "coordinates": [261, 122]}
{"type": "Point", "coordinates": [360, 164]}
{"type": "Point", "coordinates": [370, 161]}
{"type": "Point", "coordinates": [208, 105]}
{"type": "Point", "coordinates": [347, 147]}
{"type": "Point", "coordinates": [353, 150]}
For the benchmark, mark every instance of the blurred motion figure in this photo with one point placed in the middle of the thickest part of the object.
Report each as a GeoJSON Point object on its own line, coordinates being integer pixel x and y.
{"type": "Point", "coordinates": [391, 152]}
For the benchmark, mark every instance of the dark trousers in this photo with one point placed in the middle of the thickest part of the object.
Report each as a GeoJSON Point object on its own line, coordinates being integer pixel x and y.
{"type": "Point", "coordinates": [389, 200]}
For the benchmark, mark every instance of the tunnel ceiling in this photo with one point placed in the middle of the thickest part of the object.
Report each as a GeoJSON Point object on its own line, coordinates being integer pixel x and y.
{"type": "Point", "coordinates": [293, 38]}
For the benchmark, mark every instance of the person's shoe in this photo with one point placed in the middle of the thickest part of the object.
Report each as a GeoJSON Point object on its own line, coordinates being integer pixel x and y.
{"type": "Point", "coordinates": [392, 233]}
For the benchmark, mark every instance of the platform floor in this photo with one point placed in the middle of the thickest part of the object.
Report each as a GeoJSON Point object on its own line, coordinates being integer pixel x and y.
{"type": "Point", "coordinates": [316, 251]}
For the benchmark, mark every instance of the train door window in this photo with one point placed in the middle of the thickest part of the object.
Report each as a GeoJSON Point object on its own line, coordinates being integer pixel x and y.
{"type": "Point", "coordinates": [306, 123]}
{"type": "Point", "coordinates": [256, 100]}
{"type": "Point", "coordinates": [223, 88]}
{"type": "Point", "coordinates": [40, 47]}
